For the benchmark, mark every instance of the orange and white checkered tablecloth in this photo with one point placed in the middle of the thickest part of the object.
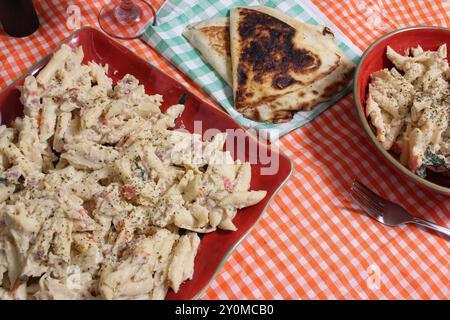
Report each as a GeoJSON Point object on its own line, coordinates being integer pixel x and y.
{"type": "Point", "coordinates": [312, 242]}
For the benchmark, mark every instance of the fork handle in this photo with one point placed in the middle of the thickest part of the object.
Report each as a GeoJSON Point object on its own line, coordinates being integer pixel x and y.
{"type": "Point", "coordinates": [431, 225]}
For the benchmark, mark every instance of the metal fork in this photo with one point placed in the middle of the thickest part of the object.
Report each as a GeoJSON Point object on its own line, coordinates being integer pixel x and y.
{"type": "Point", "coordinates": [386, 211]}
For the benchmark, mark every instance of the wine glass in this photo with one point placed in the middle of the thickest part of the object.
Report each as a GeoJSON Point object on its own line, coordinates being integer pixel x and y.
{"type": "Point", "coordinates": [126, 19]}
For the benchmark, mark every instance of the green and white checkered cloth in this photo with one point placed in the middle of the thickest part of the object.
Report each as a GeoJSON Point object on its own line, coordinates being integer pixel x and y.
{"type": "Point", "coordinates": [167, 38]}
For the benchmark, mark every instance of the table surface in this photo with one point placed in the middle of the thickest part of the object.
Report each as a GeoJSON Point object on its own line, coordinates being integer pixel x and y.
{"type": "Point", "coordinates": [312, 241]}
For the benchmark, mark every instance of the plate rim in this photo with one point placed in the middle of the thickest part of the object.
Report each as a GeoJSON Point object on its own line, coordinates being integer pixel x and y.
{"type": "Point", "coordinates": [421, 181]}
{"type": "Point", "coordinates": [249, 230]}
{"type": "Point", "coordinates": [227, 255]}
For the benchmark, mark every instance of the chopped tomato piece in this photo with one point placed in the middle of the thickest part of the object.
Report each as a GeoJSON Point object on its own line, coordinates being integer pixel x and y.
{"type": "Point", "coordinates": [227, 184]}
{"type": "Point", "coordinates": [128, 192]}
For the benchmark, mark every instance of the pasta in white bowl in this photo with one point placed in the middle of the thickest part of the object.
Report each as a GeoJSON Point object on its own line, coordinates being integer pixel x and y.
{"type": "Point", "coordinates": [100, 197]}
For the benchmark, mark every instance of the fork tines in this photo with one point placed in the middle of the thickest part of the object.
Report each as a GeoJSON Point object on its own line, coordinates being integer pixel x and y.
{"type": "Point", "coordinates": [367, 198]}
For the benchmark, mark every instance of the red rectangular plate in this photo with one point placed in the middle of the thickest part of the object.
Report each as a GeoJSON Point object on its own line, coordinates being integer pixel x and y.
{"type": "Point", "coordinates": [215, 247]}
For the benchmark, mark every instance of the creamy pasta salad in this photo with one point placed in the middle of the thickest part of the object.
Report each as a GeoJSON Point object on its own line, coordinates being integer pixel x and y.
{"type": "Point", "coordinates": [100, 198]}
{"type": "Point", "coordinates": [409, 108]}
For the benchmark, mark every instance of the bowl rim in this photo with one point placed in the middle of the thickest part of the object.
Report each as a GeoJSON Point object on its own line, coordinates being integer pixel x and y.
{"type": "Point", "coordinates": [365, 123]}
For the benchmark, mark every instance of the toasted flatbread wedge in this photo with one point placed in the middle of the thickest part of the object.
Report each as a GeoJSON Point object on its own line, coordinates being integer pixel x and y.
{"type": "Point", "coordinates": [283, 108]}
{"type": "Point", "coordinates": [212, 38]}
{"type": "Point", "coordinates": [280, 109]}
{"type": "Point", "coordinates": [272, 55]}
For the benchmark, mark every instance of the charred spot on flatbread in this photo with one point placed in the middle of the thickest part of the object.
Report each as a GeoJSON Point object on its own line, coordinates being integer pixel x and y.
{"type": "Point", "coordinates": [218, 40]}
{"type": "Point", "coordinates": [242, 77]}
{"type": "Point", "coordinates": [281, 81]}
{"type": "Point", "coordinates": [282, 116]}
{"type": "Point", "coordinates": [327, 32]}
{"type": "Point", "coordinates": [268, 50]}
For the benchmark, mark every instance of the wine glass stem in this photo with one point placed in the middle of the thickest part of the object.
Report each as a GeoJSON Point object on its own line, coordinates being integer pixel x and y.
{"type": "Point", "coordinates": [128, 12]}
{"type": "Point", "coordinates": [126, 5]}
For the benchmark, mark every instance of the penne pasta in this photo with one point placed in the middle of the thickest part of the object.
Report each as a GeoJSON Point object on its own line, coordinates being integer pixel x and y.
{"type": "Point", "coordinates": [100, 197]}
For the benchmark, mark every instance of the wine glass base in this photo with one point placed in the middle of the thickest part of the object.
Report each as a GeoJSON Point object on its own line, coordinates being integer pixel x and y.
{"type": "Point", "coordinates": [128, 17]}
{"type": "Point", "coordinates": [126, 24]}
